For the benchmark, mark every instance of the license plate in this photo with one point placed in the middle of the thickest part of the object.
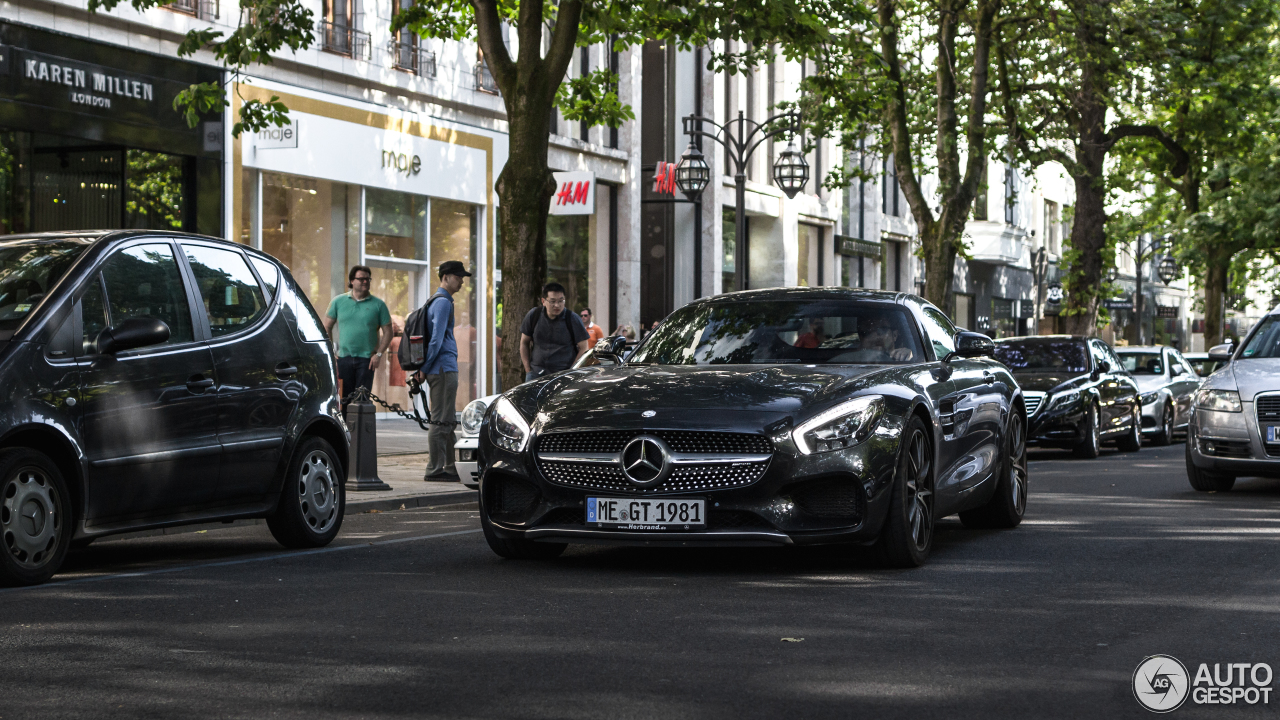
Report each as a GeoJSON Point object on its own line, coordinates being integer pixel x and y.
{"type": "Point", "coordinates": [647, 514]}
{"type": "Point", "coordinates": [1273, 433]}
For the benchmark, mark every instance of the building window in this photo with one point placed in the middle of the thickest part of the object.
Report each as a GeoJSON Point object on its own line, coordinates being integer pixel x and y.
{"type": "Point", "coordinates": [889, 188]}
{"type": "Point", "coordinates": [568, 258]}
{"type": "Point", "coordinates": [964, 311]}
{"type": "Point", "coordinates": [306, 224]}
{"type": "Point", "coordinates": [1052, 226]}
{"type": "Point", "coordinates": [728, 247]}
{"type": "Point", "coordinates": [337, 30]}
{"type": "Point", "coordinates": [455, 234]}
{"type": "Point", "coordinates": [808, 250]}
{"type": "Point", "coordinates": [395, 225]}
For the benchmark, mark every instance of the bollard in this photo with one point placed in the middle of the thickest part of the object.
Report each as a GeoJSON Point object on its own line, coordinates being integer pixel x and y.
{"type": "Point", "coordinates": [363, 424]}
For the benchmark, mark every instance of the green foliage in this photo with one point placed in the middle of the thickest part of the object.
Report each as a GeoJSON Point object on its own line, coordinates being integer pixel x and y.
{"type": "Point", "coordinates": [593, 99]}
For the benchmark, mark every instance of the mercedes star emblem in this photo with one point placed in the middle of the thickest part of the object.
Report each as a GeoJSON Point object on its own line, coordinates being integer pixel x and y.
{"type": "Point", "coordinates": [648, 414]}
{"type": "Point", "coordinates": [646, 461]}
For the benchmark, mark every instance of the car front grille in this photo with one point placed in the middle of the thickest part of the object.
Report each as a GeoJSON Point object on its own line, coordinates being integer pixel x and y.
{"type": "Point", "coordinates": [689, 478]}
{"type": "Point", "coordinates": [1032, 400]}
{"type": "Point", "coordinates": [1268, 409]}
{"type": "Point", "coordinates": [681, 441]}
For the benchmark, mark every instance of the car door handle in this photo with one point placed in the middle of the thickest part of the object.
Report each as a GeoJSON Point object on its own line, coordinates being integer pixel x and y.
{"type": "Point", "coordinates": [199, 383]}
{"type": "Point", "coordinates": [284, 369]}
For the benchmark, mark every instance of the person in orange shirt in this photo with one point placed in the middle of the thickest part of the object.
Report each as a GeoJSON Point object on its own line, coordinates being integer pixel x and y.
{"type": "Point", "coordinates": [596, 332]}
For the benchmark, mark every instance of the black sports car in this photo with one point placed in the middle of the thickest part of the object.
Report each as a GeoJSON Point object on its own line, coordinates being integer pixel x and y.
{"type": "Point", "coordinates": [786, 416]}
{"type": "Point", "coordinates": [1078, 393]}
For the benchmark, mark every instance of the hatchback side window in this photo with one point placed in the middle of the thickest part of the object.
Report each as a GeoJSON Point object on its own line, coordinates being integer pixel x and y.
{"type": "Point", "coordinates": [144, 281]}
{"type": "Point", "coordinates": [232, 298]}
{"type": "Point", "coordinates": [940, 331]}
{"type": "Point", "coordinates": [94, 314]}
{"type": "Point", "coordinates": [269, 274]}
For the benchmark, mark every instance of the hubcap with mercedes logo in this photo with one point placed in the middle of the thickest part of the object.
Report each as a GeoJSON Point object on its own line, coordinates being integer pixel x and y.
{"type": "Point", "coordinates": [646, 461]}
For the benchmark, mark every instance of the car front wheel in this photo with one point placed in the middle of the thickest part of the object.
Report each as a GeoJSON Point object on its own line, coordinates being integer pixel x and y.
{"type": "Point", "coordinates": [1091, 446]}
{"type": "Point", "coordinates": [1132, 440]}
{"type": "Point", "coordinates": [1205, 480]}
{"type": "Point", "coordinates": [312, 501]}
{"type": "Point", "coordinates": [35, 517]}
{"type": "Point", "coordinates": [1165, 435]}
{"type": "Point", "coordinates": [907, 536]}
{"type": "Point", "coordinates": [1006, 507]}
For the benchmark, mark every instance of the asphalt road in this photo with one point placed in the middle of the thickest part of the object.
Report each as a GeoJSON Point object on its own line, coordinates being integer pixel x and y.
{"type": "Point", "coordinates": [410, 615]}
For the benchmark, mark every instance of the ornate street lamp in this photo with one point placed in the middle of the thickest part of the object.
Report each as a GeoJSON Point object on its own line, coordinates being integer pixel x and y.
{"type": "Point", "coordinates": [692, 173]}
{"type": "Point", "coordinates": [740, 138]}
{"type": "Point", "coordinates": [791, 171]}
{"type": "Point", "coordinates": [1168, 269]}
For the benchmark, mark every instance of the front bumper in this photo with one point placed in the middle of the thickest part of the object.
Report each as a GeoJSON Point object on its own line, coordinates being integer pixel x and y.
{"type": "Point", "coordinates": [464, 453]}
{"type": "Point", "coordinates": [1152, 417]}
{"type": "Point", "coordinates": [1236, 442]}
{"type": "Point", "coordinates": [1057, 427]}
{"type": "Point", "coordinates": [790, 503]}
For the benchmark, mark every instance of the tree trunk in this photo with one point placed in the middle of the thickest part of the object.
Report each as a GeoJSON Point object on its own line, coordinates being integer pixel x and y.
{"type": "Point", "coordinates": [1215, 292]}
{"type": "Point", "coordinates": [523, 220]}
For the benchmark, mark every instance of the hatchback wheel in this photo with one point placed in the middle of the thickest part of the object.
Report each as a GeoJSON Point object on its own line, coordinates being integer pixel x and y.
{"type": "Point", "coordinates": [312, 501]}
{"type": "Point", "coordinates": [907, 536]}
{"type": "Point", "coordinates": [35, 517]}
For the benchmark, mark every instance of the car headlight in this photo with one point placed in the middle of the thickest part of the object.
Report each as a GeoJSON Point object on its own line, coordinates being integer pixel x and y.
{"type": "Point", "coordinates": [1220, 400]}
{"type": "Point", "coordinates": [1148, 398]}
{"type": "Point", "coordinates": [472, 414]}
{"type": "Point", "coordinates": [843, 426]}
{"type": "Point", "coordinates": [1064, 399]}
{"type": "Point", "coordinates": [509, 429]}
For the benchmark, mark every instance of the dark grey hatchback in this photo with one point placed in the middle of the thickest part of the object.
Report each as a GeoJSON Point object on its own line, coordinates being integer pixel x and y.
{"type": "Point", "coordinates": [153, 379]}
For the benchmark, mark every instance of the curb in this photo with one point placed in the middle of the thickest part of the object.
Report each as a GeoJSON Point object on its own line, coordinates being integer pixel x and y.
{"type": "Point", "coordinates": [455, 497]}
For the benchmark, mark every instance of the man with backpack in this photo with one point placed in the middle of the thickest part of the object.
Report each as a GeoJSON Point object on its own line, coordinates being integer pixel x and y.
{"type": "Point", "coordinates": [440, 367]}
{"type": "Point", "coordinates": [551, 339]}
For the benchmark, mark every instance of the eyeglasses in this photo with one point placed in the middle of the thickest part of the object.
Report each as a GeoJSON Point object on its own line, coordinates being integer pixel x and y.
{"type": "Point", "coordinates": [361, 278]}
{"type": "Point", "coordinates": [586, 315]}
{"type": "Point", "coordinates": [554, 301]}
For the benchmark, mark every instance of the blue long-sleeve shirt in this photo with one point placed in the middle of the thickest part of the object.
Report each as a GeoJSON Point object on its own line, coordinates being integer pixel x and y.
{"type": "Point", "coordinates": [442, 350]}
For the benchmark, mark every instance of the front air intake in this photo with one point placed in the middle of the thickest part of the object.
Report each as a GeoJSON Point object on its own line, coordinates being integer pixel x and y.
{"type": "Point", "coordinates": [509, 498]}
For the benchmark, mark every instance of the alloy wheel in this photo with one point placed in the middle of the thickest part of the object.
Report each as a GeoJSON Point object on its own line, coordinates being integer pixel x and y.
{"type": "Point", "coordinates": [1018, 466]}
{"type": "Point", "coordinates": [919, 491]}
{"type": "Point", "coordinates": [30, 518]}
{"type": "Point", "coordinates": [1095, 437]}
{"type": "Point", "coordinates": [317, 491]}
{"type": "Point", "coordinates": [1168, 422]}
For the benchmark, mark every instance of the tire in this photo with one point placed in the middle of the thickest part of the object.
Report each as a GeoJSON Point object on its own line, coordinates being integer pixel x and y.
{"type": "Point", "coordinates": [1091, 446]}
{"type": "Point", "coordinates": [1165, 435]}
{"type": "Point", "coordinates": [312, 498]}
{"type": "Point", "coordinates": [1205, 480]}
{"type": "Point", "coordinates": [518, 549]}
{"type": "Point", "coordinates": [1009, 503]}
{"type": "Point", "coordinates": [1132, 441]}
{"type": "Point", "coordinates": [35, 517]}
{"type": "Point", "coordinates": [907, 536]}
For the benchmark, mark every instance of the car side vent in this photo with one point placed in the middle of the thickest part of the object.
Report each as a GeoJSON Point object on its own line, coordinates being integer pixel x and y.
{"type": "Point", "coordinates": [510, 499]}
{"type": "Point", "coordinates": [834, 498]}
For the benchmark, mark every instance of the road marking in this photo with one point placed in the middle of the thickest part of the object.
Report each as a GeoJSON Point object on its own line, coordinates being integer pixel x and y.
{"type": "Point", "coordinates": [241, 561]}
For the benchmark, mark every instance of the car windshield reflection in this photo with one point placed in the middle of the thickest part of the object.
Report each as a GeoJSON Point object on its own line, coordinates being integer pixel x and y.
{"type": "Point", "coordinates": [768, 333]}
{"type": "Point", "coordinates": [1142, 363]}
{"type": "Point", "coordinates": [1048, 356]}
{"type": "Point", "coordinates": [28, 269]}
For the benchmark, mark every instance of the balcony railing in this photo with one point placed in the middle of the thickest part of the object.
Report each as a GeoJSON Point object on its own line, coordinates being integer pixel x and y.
{"type": "Point", "coordinates": [484, 79]}
{"type": "Point", "coordinates": [344, 40]}
{"type": "Point", "coordinates": [203, 9]}
{"type": "Point", "coordinates": [409, 57]}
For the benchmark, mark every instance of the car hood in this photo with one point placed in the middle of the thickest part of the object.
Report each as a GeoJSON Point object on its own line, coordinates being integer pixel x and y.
{"type": "Point", "coordinates": [1048, 381]}
{"type": "Point", "coordinates": [720, 397]}
{"type": "Point", "coordinates": [1147, 383]}
{"type": "Point", "coordinates": [1255, 376]}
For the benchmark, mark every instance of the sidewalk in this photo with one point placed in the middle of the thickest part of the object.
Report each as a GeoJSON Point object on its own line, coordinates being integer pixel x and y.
{"type": "Point", "coordinates": [402, 461]}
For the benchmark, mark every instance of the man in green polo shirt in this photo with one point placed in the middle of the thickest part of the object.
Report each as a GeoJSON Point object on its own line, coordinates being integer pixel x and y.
{"type": "Point", "coordinates": [364, 331]}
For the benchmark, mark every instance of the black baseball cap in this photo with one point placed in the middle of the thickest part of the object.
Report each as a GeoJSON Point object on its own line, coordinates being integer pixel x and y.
{"type": "Point", "coordinates": [453, 267]}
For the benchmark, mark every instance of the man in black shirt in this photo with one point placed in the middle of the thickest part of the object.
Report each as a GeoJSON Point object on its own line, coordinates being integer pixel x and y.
{"type": "Point", "coordinates": [551, 339]}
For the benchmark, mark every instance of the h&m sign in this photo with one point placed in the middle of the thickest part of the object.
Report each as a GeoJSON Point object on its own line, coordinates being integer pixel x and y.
{"type": "Point", "coordinates": [575, 193]}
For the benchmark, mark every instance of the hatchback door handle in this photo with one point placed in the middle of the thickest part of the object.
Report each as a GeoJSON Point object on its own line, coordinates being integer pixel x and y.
{"type": "Point", "coordinates": [199, 383]}
{"type": "Point", "coordinates": [284, 369]}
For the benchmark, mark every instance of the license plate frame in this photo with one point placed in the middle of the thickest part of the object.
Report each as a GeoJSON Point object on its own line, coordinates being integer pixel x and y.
{"type": "Point", "coordinates": [652, 514]}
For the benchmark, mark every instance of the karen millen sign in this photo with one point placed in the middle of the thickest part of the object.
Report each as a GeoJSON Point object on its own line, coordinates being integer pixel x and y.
{"type": "Point", "coordinates": [86, 84]}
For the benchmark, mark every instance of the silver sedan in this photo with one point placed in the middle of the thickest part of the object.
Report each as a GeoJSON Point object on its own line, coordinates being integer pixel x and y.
{"type": "Point", "coordinates": [1167, 383]}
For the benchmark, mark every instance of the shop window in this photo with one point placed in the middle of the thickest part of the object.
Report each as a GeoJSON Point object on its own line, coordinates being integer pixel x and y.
{"type": "Point", "coordinates": [729, 247]}
{"type": "Point", "coordinates": [808, 246]}
{"type": "Point", "coordinates": [395, 225]}
{"type": "Point", "coordinates": [305, 225]}
{"type": "Point", "coordinates": [1004, 324]}
{"type": "Point", "coordinates": [154, 190]}
{"type": "Point", "coordinates": [568, 258]}
{"type": "Point", "coordinates": [455, 232]}
{"type": "Point", "coordinates": [15, 168]}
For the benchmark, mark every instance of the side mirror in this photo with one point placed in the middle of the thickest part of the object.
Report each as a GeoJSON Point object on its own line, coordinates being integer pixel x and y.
{"type": "Point", "coordinates": [132, 333]}
{"type": "Point", "coordinates": [1221, 353]}
{"type": "Point", "coordinates": [611, 347]}
{"type": "Point", "coordinates": [1175, 370]}
{"type": "Point", "coordinates": [972, 344]}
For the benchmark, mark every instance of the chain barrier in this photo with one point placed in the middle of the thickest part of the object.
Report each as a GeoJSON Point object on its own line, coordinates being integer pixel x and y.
{"type": "Point", "coordinates": [415, 388]}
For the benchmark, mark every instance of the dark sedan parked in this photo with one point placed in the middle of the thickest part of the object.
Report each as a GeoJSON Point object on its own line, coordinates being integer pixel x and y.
{"type": "Point", "coordinates": [1078, 393]}
{"type": "Point", "coordinates": [154, 379]}
{"type": "Point", "coordinates": [763, 417]}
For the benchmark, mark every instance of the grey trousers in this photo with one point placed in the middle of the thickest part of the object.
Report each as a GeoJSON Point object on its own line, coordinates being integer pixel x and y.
{"type": "Point", "coordinates": [442, 393]}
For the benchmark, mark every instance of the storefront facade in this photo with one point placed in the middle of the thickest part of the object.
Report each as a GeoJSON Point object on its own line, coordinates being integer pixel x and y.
{"type": "Point", "coordinates": [351, 183]}
{"type": "Point", "coordinates": [89, 138]}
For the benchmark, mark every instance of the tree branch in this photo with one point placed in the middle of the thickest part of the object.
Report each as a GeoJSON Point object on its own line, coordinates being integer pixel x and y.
{"type": "Point", "coordinates": [489, 34]}
{"type": "Point", "coordinates": [563, 41]}
{"type": "Point", "coordinates": [1181, 158]}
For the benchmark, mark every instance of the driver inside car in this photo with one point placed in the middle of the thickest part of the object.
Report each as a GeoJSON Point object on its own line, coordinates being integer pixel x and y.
{"type": "Point", "coordinates": [815, 336]}
{"type": "Point", "coordinates": [879, 341]}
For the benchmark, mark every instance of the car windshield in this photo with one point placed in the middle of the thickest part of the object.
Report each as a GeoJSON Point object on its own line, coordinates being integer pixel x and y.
{"type": "Point", "coordinates": [1204, 367]}
{"type": "Point", "coordinates": [764, 333]}
{"type": "Point", "coordinates": [1265, 341]}
{"type": "Point", "coordinates": [1143, 363]}
{"type": "Point", "coordinates": [28, 268]}
{"type": "Point", "coordinates": [1059, 356]}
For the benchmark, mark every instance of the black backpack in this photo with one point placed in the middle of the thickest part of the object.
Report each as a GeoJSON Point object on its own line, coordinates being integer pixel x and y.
{"type": "Point", "coordinates": [412, 353]}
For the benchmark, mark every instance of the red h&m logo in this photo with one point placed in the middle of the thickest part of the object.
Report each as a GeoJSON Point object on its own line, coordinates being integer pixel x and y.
{"type": "Point", "coordinates": [664, 179]}
{"type": "Point", "coordinates": [572, 195]}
